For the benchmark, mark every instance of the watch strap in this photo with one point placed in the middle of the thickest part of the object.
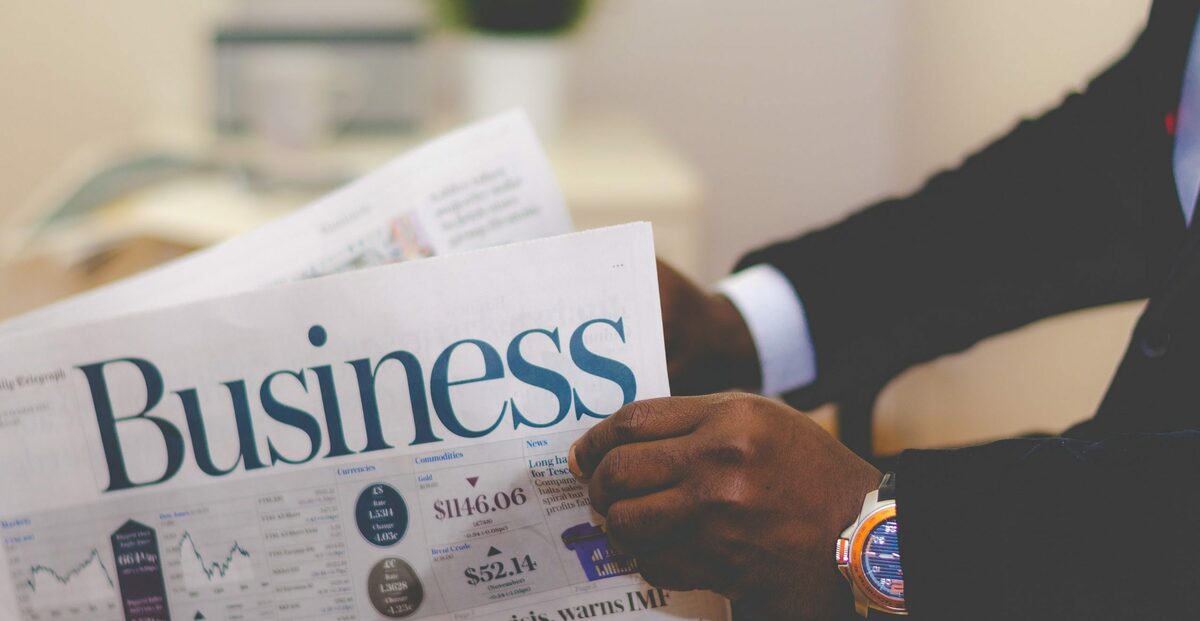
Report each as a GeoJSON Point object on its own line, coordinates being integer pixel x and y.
{"type": "Point", "coordinates": [887, 488]}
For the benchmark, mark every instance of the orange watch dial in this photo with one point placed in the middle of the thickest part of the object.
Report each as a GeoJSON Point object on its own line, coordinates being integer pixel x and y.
{"type": "Point", "coordinates": [874, 560]}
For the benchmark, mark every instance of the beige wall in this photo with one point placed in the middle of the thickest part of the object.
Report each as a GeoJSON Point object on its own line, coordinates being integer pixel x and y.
{"type": "Point", "coordinates": [786, 107]}
{"type": "Point", "coordinates": [80, 73]}
{"type": "Point", "coordinates": [970, 68]}
{"type": "Point", "coordinates": [798, 112]}
{"type": "Point", "coordinates": [794, 112]}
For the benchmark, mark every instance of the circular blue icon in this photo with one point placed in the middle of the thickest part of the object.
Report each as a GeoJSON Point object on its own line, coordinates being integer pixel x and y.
{"type": "Point", "coordinates": [382, 515]}
{"type": "Point", "coordinates": [317, 336]}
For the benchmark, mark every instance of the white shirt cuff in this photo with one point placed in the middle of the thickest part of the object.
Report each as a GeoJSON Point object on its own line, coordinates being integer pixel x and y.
{"type": "Point", "coordinates": [778, 325]}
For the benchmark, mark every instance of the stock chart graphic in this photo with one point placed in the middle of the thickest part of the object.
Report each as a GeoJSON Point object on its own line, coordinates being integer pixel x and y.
{"type": "Point", "coordinates": [73, 581]}
{"type": "Point", "coordinates": [233, 566]}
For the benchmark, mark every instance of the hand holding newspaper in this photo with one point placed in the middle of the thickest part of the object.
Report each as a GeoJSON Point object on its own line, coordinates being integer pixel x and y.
{"type": "Point", "coordinates": [384, 444]}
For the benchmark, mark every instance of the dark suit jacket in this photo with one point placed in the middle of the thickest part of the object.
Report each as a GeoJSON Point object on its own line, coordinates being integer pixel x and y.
{"type": "Point", "coordinates": [1075, 209]}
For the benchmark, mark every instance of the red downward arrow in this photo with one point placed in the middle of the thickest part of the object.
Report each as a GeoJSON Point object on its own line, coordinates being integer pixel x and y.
{"type": "Point", "coordinates": [472, 480]}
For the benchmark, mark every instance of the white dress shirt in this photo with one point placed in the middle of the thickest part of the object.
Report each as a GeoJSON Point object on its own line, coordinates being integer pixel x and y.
{"type": "Point", "coordinates": [775, 313]}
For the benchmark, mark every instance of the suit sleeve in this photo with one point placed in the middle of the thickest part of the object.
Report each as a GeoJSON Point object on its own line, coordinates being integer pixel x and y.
{"type": "Point", "coordinates": [1041, 222]}
{"type": "Point", "coordinates": [1053, 529]}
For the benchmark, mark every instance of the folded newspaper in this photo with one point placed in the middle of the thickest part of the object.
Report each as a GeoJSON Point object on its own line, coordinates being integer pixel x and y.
{"type": "Point", "coordinates": [388, 443]}
{"type": "Point", "coordinates": [485, 185]}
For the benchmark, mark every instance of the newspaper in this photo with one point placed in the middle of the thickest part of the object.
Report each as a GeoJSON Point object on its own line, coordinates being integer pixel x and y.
{"type": "Point", "coordinates": [384, 444]}
{"type": "Point", "coordinates": [484, 185]}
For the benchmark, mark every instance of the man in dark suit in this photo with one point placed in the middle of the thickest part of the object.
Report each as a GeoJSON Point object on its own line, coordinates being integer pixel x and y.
{"type": "Point", "coordinates": [1087, 205]}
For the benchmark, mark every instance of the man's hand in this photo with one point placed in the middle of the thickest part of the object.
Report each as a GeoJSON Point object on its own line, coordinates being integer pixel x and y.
{"type": "Point", "coordinates": [732, 493]}
{"type": "Point", "coordinates": [709, 347]}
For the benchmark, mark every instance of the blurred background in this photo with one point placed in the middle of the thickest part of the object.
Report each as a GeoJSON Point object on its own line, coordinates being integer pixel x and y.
{"type": "Point", "coordinates": [137, 130]}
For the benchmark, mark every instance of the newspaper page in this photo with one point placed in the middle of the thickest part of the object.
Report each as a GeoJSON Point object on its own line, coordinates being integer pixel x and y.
{"type": "Point", "coordinates": [385, 444]}
{"type": "Point", "coordinates": [485, 185]}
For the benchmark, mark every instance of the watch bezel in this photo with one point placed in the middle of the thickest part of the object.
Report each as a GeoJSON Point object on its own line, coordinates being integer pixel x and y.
{"type": "Point", "coordinates": [857, 575]}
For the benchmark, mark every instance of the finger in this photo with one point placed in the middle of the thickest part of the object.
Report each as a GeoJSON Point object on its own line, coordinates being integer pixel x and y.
{"type": "Point", "coordinates": [641, 421]}
{"type": "Point", "coordinates": [638, 469]}
{"type": "Point", "coordinates": [662, 532]}
{"type": "Point", "coordinates": [681, 568]}
{"type": "Point", "coordinates": [647, 524]}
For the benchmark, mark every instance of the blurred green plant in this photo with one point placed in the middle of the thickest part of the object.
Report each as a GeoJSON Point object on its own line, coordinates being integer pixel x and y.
{"type": "Point", "coordinates": [513, 17]}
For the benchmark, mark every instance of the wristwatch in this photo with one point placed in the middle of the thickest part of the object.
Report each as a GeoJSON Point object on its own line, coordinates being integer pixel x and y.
{"type": "Point", "coordinates": [868, 554]}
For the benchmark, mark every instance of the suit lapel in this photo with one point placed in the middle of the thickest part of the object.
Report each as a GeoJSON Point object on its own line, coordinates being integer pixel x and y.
{"type": "Point", "coordinates": [1143, 156]}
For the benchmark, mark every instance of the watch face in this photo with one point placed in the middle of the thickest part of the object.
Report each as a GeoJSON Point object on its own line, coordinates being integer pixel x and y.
{"type": "Point", "coordinates": [881, 560]}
